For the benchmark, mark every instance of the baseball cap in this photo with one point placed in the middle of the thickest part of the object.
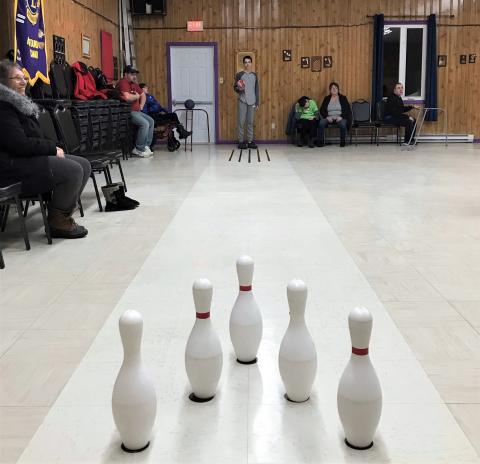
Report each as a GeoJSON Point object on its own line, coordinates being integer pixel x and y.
{"type": "Point", "coordinates": [130, 70]}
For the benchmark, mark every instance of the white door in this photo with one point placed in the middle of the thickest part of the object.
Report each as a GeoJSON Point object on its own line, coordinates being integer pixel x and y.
{"type": "Point", "coordinates": [193, 77]}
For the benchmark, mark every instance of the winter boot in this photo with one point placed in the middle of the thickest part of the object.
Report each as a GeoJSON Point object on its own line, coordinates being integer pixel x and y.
{"type": "Point", "coordinates": [62, 225]}
{"type": "Point", "coordinates": [115, 200]}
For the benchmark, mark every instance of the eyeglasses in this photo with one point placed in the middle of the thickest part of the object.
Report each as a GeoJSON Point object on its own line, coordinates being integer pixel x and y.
{"type": "Point", "coordinates": [19, 78]}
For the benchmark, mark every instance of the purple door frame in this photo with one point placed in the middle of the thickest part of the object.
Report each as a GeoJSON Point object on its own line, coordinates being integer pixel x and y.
{"type": "Point", "coordinates": [215, 74]}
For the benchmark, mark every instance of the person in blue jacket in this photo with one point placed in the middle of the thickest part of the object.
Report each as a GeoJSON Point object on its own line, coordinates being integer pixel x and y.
{"type": "Point", "coordinates": [161, 115]}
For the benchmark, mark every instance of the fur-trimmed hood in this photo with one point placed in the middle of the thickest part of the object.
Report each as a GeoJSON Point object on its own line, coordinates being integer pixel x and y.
{"type": "Point", "coordinates": [22, 103]}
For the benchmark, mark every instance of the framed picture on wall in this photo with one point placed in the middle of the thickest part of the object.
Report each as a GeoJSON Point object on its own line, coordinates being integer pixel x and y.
{"type": "Point", "coordinates": [85, 46]}
{"type": "Point", "coordinates": [240, 54]}
{"type": "Point", "coordinates": [305, 62]}
{"type": "Point", "coordinates": [442, 61]}
{"type": "Point", "coordinates": [287, 55]}
{"type": "Point", "coordinates": [316, 63]}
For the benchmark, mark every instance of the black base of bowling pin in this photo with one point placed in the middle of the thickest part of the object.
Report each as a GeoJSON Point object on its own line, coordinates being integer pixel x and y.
{"type": "Point", "coordinates": [128, 450]}
{"type": "Point", "coordinates": [291, 401]}
{"type": "Point", "coordinates": [253, 361]}
{"type": "Point", "coordinates": [196, 399]}
{"type": "Point", "coordinates": [361, 448]}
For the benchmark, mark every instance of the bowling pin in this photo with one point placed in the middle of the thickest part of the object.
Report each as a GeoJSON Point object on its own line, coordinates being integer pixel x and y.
{"type": "Point", "coordinates": [246, 319]}
{"type": "Point", "coordinates": [134, 403]}
{"type": "Point", "coordinates": [359, 397]}
{"type": "Point", "coordinates": [203, 353]}
{"type": "Point", "coordinates": [297, 358]}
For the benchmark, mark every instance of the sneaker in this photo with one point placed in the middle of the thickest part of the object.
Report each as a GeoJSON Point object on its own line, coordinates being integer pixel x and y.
{"type": "Point", "coordinates": [242, 145]}
{"type": "Point", "coordinates": [142, 154]}
{"type": "Point", "coordinates": [252, 144]}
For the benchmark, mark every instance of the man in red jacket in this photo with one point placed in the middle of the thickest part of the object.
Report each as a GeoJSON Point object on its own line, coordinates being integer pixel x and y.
{"type": "Point", "coordinates": [132, 93]}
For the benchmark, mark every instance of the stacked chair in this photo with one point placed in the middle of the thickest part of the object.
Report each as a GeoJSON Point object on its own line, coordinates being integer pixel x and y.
{"type": "Point", "coordinates": [98, 130]}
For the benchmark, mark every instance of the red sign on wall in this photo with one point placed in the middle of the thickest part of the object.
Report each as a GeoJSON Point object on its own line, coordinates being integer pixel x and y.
{"type": "Point", "coordinates": [194, 26]}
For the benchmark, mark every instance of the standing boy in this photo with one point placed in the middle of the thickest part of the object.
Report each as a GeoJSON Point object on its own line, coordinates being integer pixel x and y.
{"type": "Point", "coordinates": [246, 85]}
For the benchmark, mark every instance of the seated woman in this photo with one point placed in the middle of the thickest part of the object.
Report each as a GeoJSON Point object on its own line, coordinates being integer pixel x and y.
{"type": "Point", "coordinates": [160, 114]}
{"type": "Point", "coordinates": [336, 110]}
{"type": "Point", "coordinates": [27, 156]}
{"type": "Point", "coordinates": [306, 114]}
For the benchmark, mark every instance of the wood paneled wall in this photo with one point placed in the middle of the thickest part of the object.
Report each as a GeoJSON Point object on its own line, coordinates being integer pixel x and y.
{"type": "Point", "coordinates": [339, 28]}
{"type": "Point", "coordinates": [69, 19]}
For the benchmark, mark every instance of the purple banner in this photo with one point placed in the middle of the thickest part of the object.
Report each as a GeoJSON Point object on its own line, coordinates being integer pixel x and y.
{"type": "Point", "coordinates": [30, 47]}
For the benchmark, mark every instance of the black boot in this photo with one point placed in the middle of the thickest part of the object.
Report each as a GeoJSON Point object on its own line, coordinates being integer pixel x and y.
{"type": "Point", "coordinates": [116, 201]}
{"type": "Point", "coordinates": [182, 133]}
{"type": "Point", "coordinates": [121, 188]}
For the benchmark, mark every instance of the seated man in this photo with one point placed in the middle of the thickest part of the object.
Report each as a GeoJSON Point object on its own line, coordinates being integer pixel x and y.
{"type": "Point", "coordinates": [395, 113]}
{"type": "Point", "coordinates": [133, 94]}
{"type": "Point", "coordinates": [160, 114]}
{"type": "Point", "coordinates": [306, 114]}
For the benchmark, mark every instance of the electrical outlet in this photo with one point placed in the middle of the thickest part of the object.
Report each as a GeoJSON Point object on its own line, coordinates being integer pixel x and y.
{"type": "Point", "coordinates": [273, 125]}
{"type": "Point", "coordinates": [220, 80]}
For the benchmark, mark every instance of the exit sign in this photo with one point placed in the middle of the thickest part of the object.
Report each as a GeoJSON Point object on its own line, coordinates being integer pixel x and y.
{"type": "Point", "coordinates": [194, 26]}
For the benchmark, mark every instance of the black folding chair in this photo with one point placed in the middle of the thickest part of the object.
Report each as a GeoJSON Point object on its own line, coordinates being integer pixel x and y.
{"type": "Point", "coordinates": [380, 123]}
{"type": "Point", "coordinates": [11, 195]}
{"type": "Point", "coordinates": [99, 162]}
{"type": "Point", "coordinates": [361, 119]}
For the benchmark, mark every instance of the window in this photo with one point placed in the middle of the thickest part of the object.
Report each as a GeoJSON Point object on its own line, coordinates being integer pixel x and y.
{"type": "Point", "coordinates": [405, 51]}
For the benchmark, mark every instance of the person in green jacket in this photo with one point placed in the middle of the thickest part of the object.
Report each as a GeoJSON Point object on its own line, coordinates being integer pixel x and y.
{"type": "Point", "coordinates": [307, 114]}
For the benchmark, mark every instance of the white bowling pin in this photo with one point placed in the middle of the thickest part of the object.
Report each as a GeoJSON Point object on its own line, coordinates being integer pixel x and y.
{"type": "Point", "coordinates": [203, 353]}
{"type": "Point", "coordinates": [297, 358]}
{"type": "Point", "coordinates": [359, 397]}
{"type": "Point", "coordinates": [134, 403]}
{"type": "Point", "coordinates": [246, 324]}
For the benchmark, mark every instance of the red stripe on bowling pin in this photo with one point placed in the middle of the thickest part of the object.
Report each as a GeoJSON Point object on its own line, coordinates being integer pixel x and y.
{"type": "Point", "coordinates": [360, 351]}
{"type": "Point", "coordinates": [245, 288]}
{"type": "Point", "coordinates": [203, 315]}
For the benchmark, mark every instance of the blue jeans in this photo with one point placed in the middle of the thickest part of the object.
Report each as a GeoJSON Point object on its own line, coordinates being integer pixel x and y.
{"type": "Point", "coordinates": [145, 129]}
{"type": "Point", "coordinates": [323, 124]}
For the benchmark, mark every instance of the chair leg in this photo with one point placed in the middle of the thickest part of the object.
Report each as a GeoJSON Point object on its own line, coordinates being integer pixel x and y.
{"type": "Point", "coordinates": [121, 174]}
{"type": "Point", "coordinates": [45, 219]}
{"type": "Point", "coordinates": [2, 262]}
{"type": "Point", "coordinates": [21, 218]}
{"type": "Point", "coordinates": [108, 177]}
{"type": "Point", "coordinates": [5, 217]}
{"type": "Point", "coordinates": [80, 207]}
{"type": "Point", "coordinates": [92, 176]}
{"type": "Point", "coordinates": [25, 209]}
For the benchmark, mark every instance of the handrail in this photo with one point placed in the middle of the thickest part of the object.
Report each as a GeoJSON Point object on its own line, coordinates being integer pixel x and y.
{"type": "Point", "coordinates": [425, 111]}
{"type": "Point", "coordinates": [189, 112]}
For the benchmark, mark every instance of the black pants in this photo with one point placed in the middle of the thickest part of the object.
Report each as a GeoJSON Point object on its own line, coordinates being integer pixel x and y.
{"type": "Point", "coordinates": [70, 174]}
{"type": "Point", "coordinates": [403, 121]}
{"type": "Point", "coordinates": [165, 118]}
{"type": "Point", "coordinates": [307, 128]}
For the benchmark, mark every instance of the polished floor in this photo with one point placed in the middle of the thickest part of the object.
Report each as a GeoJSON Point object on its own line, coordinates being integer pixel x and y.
{"type": "Point", "coordinates": [395, 231]}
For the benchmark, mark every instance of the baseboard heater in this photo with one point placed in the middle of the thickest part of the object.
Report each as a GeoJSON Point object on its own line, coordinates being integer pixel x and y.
{"type": "Point", "coordinates": [433, 138]}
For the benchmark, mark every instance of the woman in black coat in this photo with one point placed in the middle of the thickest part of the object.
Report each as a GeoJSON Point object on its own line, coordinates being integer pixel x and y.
{"type": "Point", "coordinates": [28, 156]}
{"type": "Point", "coordinates": [335, 109]}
